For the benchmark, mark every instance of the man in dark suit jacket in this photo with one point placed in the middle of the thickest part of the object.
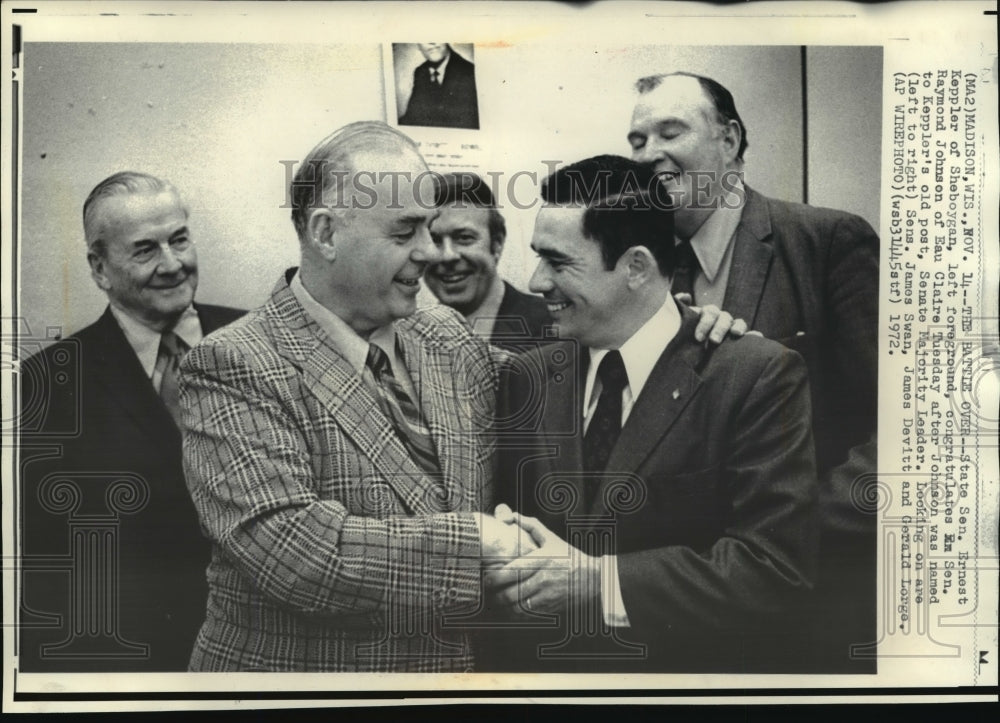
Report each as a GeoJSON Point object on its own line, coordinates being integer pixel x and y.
{"type": "Point", "coordinates": [469, 233]}
{"type": "Point", "coordinates": [681, 476]}
{"type": "Point", "coordinates": [111, 539]}
{"type": "Point", "coordinates": [807, 277]}
{"type": "Point", "coordinates": [444, 90]}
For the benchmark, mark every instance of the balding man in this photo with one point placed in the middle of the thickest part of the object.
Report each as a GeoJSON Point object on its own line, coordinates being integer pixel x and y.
{"type": "Point", "coordinates": [335, 444]}
{"type": "Point", "coordinates": [107, 396]}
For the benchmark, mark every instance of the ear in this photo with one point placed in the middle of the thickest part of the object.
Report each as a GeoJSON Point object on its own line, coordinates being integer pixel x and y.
{"type": "Point", "coordinates": [731, 137]}
{"type": "Point", "coordinates": [639, 265]}
{"type": "Point", "coordinates": [98, 269]}
{"type": "Point", "coordinates": [321, 228]}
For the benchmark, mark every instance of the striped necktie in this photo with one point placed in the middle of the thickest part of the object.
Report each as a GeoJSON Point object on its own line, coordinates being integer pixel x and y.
{"type": "Point", "coordinates": [404, 413]}
{"type": "Point", "coordinates": [168, 359]}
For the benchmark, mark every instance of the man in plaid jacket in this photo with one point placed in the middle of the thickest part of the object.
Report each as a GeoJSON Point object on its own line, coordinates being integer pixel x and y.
{"type": "Point", "coordinates": [341, 538]}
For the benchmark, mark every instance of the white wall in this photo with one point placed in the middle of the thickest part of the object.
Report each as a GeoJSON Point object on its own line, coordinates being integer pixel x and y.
{"type": "Point", "coordinates": [218, 119]}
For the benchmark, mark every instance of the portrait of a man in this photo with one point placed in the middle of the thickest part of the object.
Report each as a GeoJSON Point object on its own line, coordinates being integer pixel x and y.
{"type": "Point", "coordinates": [444, 86]}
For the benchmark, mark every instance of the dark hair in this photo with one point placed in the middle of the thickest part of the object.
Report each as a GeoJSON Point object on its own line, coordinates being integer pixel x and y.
{"type": "Point", "coordinates": [722, 100]}
{"type": "Point", "coordinates": [468, 188]}
{"type": "Point", "coordinates": [123, 183]}
{"type": "Point", "coordinates": [625, 206]}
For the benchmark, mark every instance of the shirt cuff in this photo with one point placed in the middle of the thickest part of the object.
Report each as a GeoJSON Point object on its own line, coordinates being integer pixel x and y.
{"type": "Point", "coordinates": [611, 594]}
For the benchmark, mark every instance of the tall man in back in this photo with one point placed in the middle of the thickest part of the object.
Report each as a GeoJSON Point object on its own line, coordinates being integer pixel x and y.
{"type": "Point", "coordinates": [807, 277]}
{"type": "Point", "coordinates": [337, 440]}
{"type": "Point", "coordinates": [114, 418]}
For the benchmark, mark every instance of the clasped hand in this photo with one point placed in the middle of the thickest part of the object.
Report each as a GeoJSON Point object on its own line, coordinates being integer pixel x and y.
{"type": "Point", "coordinates": [530, 569]}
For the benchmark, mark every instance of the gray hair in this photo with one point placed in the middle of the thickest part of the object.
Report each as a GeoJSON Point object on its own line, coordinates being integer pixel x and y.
{"type": "Point", "coordinates": [124, 183]}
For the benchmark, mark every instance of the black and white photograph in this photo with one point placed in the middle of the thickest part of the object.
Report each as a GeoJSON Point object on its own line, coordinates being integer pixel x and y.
{"type": "Point", "coordinates": [677, 376]}
{"type": "Point", "coordinates": [441, 90]}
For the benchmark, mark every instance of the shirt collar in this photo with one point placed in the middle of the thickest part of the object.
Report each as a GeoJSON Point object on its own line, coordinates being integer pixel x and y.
{"type": "Point", "coordinates": [145, 342]}
{"type": "Point", "coordinates": [711, 241]}
{"type": "Point", "coordinates": [344, 339]}
{"type": "Point", "coordinates": [642, 350]}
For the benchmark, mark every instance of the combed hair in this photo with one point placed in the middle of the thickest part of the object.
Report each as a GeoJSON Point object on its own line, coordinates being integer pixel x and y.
{"type": "Point", "coordinates": [466, 188]}
{"type": "Point", "coordinates": [722, 100]}
{"type": "Point", "coordinates": [625, 206]}
{"type": "Point", "coordinates": [123, 183]}
{"type": "Point", "coordinates": [332, 158]}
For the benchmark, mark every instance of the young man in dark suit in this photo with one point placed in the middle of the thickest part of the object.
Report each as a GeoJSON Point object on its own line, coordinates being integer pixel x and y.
{"type": "Point", "coordinates": [110, 491]}
{"type": "Point", "coordinates": [444, 90]}
{"type": "Point", "coordinates": [806, 277]}
{"type": "Point", "coordinates": [669, 484]}
{"type": "Point", "coordinates": [470, 232]}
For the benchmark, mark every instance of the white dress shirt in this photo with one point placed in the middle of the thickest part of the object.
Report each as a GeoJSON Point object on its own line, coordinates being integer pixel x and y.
{"type": "Point", "coordinates": [145, 342]}
{"type": "Point", "coordinates": [348, 342]}
{"type": "Point", "coordinates": [639, 354]}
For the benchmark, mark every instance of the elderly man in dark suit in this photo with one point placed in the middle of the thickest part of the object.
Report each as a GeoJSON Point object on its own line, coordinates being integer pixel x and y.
{"type": "Point", "coordinates": [337, 440]}
{"type": "Point", "coordinates": [807, 277]}
{"type": "Point", "coordinates": [444, 90]}
{"type": "Point", "coordinates": [111, 498]}
{"type": "Point", "coordinates": [470, 233]}
{"type": "Point", "coordinates": [673, 484]}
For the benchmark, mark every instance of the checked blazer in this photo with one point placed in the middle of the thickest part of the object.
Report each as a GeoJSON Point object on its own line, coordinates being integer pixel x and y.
{"type": "Point", "coordinates": [331, 549]}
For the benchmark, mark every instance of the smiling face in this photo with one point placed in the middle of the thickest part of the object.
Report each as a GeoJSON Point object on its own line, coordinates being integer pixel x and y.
{"type": "Point", "coordinates": [585, 298]}
{"type": "Point", "coordinates": [434, 52]}
{"type": "Point", "coordinates": [675, 128]}
{"type": "Point", "coordinates": [149, 267]}
{"type": "Point", "coordinates": [468, 266]}
{"type": "Point", "coordinates": [380, 246]}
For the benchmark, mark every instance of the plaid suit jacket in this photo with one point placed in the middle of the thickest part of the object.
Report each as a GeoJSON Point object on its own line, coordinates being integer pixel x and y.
{"type": "Point", "coordinates": [332, 551]}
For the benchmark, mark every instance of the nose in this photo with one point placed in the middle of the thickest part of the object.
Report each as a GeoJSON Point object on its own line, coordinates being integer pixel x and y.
{"type": "Point", "coordinates": [424, 249]}
{"type": "Point", "coordinates": [170, 262]}
{"type": "Point", "coordinates": [650, 152]}
{"type": "Point", "coordinates": [446, 250]}
{"type": "Point", "coordinates": [540, 281]}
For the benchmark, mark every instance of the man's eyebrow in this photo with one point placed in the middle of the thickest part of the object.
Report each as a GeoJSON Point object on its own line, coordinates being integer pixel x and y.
{"type": "Point", "coordinates": [550, 254]}
{"type": "Point", "coordinates": [182, 231]}
{"type": "Point", "coordinates": [417, 218]}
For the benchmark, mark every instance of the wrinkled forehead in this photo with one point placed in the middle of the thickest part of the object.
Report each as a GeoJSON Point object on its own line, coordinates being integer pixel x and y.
{"type": "Point", "coordinates": [677, 96]}
{"type": "Point", "coordinates": [127, 213]}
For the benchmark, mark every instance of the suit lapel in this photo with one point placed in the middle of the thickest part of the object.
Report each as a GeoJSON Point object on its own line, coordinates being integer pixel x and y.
{"type": "Point", "coordinates": [564, 406]}
{"type": "Point", "coordinates": [751, 260]}
{"type": "Point", "coordinates": [671, 386]}
{"type": "Point", "coordinates": [118, 371]}
{"type": "Point", "coordinates": [431, 369]}
{"type": "Point", "coordinates": [349, 400]}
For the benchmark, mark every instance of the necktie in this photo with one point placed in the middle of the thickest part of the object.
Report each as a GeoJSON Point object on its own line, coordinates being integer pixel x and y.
{"type": "Point", "coordinates": [435, 76]}
{"type": "Point", "coordinates": [168, 359]}
{"type": "Point", "coordinates": [686, 267]}
{"type": "Point", "coordinates": [405, 415]}
{"type": "Point", "coordinates": [606, 424]}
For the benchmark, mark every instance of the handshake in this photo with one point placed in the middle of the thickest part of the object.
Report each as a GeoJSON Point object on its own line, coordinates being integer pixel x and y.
{"type": "Point", "coordinates": [529, 569]}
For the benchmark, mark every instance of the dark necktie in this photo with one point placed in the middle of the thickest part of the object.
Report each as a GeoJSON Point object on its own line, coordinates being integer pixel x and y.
{"type": "Point", "coordinates": [435, 76]}
{"type": "Point", "coordinates": [405, 415]}
{"type": "Point", "coordinates": [168, 359]}
{"type": "Point", "coordinates": [606, 424]}
{"type": "Point", "coordinates": [686, 267]}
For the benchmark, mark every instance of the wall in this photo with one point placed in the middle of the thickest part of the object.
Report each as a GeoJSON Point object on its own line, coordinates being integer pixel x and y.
{"type": "Point", "coordinates": [218, 119]}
